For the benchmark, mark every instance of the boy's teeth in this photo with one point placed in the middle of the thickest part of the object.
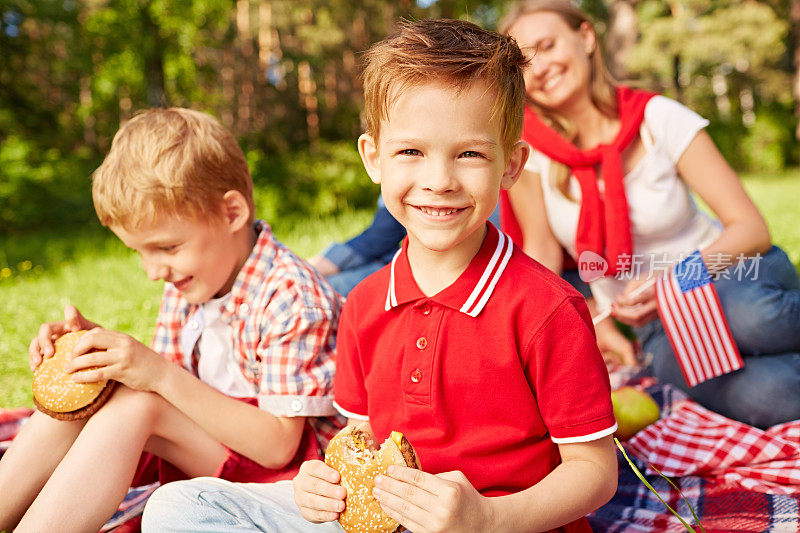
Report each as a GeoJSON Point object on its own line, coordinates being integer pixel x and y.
{"type": "Point", "coordinates": [438, 212]}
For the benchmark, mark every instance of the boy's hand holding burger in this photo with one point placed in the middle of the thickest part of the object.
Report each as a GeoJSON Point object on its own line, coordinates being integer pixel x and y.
{"type": "Point", "coordinates": [428, 503]}
{"type": "Point", "coordinates": [375, 490]}
{"type": "Point", "coordinates": [100, 354]}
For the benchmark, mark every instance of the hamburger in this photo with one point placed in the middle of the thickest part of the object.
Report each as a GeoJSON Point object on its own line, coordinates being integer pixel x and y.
{"type": "Point", "coordinates": [353, 453]}
{"type": "Point", "coordinates": [54, 392]}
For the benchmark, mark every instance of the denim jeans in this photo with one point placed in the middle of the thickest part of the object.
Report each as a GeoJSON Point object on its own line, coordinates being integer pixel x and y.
{"type": "Point", "coordinates": [764, 317]}
{"type": "Point", "coordinates": [211, 505]}
{"type": "Point", "coordinates": [346, 280]}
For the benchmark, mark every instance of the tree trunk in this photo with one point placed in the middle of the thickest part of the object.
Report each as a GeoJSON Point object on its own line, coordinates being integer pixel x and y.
{"type": "Point", "coordinates": [246, 67]}
{"type": "Point", "coordinates": [621, 36]}
{"type": "Point", "coordinates": [154, 62]}
{"type": "Point", "coordinates": [794, 14]}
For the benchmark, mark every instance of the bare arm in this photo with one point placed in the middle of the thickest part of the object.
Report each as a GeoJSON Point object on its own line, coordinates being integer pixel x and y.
{"type": "Point", "coordinates": [527, 201]}
{"type": "Point", "coordinates": [706, 172]}
{"type": "Point", "coordinates": [427, 503]}
{"type": "Point", "coordinates": [269, 440]}
{"type": "Point", "coordinates": [585, 480]}
{"type": "Point", "coordinates": [745, 232]}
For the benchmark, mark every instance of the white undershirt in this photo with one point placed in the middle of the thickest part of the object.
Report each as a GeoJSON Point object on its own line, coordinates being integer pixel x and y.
{"type": "Point", "coordinates": [220, 369]}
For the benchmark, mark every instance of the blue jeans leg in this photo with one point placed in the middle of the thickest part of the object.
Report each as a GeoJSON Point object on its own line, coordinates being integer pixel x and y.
{"type": "Point", "coordinates": [763, 307]}
{"type": "Point", "coordinates": [211, 505]}
{"type": "Point", "coordinates": [345, 280]}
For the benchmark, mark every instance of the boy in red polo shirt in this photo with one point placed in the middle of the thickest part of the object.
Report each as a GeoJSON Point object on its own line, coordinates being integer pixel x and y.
{"type": "Point", "coordinates": [482, 357]}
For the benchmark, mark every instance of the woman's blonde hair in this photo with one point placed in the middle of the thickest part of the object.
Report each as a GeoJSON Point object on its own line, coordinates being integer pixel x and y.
{"type": "Point", "coordinates": [602, 89]}
{"type": "Point", "coordinates": [169, 162]}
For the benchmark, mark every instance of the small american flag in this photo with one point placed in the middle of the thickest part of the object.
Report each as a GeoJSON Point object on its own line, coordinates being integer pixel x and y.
{"type": "Point", "coordinates": [695, 324]}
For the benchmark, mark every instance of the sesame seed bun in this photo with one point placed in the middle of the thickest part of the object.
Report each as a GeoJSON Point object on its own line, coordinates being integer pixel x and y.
{"type": "Point", "coordinates": [353, 453]}
{"type": "Point", "coordinates": [54, 392]}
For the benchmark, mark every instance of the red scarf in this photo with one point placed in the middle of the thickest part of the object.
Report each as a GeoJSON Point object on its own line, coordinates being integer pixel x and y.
{"type": "Point", "coordinates": [604, 226]}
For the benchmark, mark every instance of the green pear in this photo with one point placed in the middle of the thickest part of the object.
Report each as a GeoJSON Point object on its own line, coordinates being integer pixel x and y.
{"type": "Point", "coordinates": [634, 410]}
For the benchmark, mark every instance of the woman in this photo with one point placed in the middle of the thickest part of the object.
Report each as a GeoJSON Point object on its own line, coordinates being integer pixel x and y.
{"type": "Point", "coordinates": [611, 174]}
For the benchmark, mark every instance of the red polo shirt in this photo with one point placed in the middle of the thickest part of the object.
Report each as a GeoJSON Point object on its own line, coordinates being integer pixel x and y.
{"type": "Point", "coordinates": [484, 377]}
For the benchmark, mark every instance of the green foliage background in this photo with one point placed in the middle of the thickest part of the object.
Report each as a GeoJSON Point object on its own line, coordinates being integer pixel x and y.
{"type": "Point", "coordinates": [283, 75]}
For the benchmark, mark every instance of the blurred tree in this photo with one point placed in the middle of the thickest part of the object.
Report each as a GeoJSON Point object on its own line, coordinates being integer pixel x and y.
{"type": "Point", "coordinates": [283, 75]}
{"type": "Point", "coordinates": [795, 18]}
{"type": "Point", "coordinates": [621, 36]}
{"type": "Point", "coordinates": [724, 59]}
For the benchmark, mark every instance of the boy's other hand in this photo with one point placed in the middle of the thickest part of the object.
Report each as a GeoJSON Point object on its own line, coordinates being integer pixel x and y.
{"type": "Point", "coordinates": [317, 492]}
{"type": "Point", "coordinates": [427, 503]}
{"type": "Point", "coordinates": [115, 356]}
{"type": "Point", "coordinates": [42, 345]}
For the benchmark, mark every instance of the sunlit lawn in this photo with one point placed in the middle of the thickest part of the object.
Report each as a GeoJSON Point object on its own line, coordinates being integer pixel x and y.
{"type": "Point", "coordinates": [41, 273]}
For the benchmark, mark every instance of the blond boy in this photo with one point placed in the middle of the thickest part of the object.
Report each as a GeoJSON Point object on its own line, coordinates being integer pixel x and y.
{"type": "Point", "coordinates": [238, 381]}
{"type": "Point", "coordinates": [483, 358]}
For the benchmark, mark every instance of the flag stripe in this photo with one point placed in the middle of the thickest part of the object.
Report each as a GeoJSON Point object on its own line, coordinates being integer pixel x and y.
{"type": "Point", "coordinates": [690, 349]}
{"type": "Point", "coordinates": [713, 326]}
{"type": "Point", "coordinates": [698, 305]}
{"type": "Point", "coordinates": [699, 355]}
{"type": "Point", "coordinates": [673, 331]}
{"type": "Point", "coordinates": [727, 336]}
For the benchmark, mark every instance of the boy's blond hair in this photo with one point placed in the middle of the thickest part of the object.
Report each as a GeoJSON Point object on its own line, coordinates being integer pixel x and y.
{"type": "Point", "coordinates": [453, 52]}
{"type": "Point", "coordinates": [169, 162]}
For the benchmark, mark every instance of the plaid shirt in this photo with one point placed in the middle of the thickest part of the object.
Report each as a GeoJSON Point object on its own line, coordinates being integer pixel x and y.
{"type": "Point", "coordinates": [282, 316]}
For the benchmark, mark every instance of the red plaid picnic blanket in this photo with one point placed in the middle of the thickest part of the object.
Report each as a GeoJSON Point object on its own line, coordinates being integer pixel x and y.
{"type": "Point", "coordinates": [11, 421]}
{"type": "Point", "coordinates": [736, 477]}
{"type": "Point", "coordinates": [695, 441]}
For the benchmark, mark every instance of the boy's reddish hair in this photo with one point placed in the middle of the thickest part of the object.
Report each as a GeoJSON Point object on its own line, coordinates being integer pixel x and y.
{"type": "Point", "coordinates": [453, 52]}
{"type": "Point", "coordinates": [169, 162]}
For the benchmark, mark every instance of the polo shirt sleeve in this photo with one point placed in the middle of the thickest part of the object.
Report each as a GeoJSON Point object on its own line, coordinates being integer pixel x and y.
{"type": "Point", "coordinates": [349, 389]}
{"type": "Point", "coordinates": [569, 377]}
{"type": "Point", "coordinates": [297, 353]}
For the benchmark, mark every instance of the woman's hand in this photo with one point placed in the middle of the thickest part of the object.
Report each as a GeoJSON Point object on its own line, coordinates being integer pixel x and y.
{"type": "Point", "coordinates": [636, 310]}
{"type": "Point", "coordinates": [116, 356]}
{"type": "Point", "coordinates": [317, 492]}
{"type": "Point", "coordinates": [42, 346]}
{"type": "Point", "coordinates": [427, 503]}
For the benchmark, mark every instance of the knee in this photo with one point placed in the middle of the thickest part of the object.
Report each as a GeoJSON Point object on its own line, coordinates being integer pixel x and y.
{"type": "Point", "coordinates": [169, 506]}
{"type": "Point", "coordinates": [133, 405]}
{"type": "Point", "coordinates": [767, 393]}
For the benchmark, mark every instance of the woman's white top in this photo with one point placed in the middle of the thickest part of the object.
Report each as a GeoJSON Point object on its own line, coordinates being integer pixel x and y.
{"type": "Point", "coordinates": [666, 224]}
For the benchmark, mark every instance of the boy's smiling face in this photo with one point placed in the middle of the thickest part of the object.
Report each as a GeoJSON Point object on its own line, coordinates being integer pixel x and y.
{"type": "Point", "coordinates": [440, 162]}
{"type": "Point", "coordinates": [200, 258]}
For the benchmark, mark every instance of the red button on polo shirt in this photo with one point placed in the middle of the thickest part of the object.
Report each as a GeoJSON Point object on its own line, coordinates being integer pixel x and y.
{"type": "Point", "coordinates": [508, 364]}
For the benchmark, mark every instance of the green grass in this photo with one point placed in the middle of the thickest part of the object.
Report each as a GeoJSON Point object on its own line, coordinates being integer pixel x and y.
{"type": "Point", "coordinates": [41, 273]}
